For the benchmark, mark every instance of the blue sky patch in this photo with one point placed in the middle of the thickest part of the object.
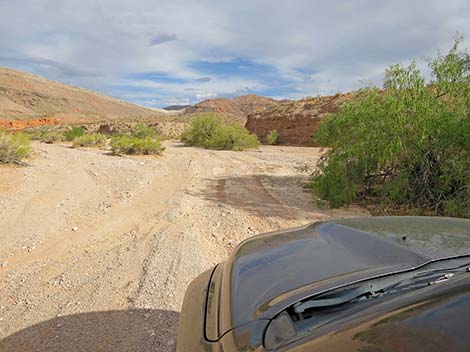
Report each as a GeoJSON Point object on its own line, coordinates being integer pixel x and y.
{"type": "Point", "coordinates": [160, 77]}
{"type": "Point", "coordinates": [238, 67]}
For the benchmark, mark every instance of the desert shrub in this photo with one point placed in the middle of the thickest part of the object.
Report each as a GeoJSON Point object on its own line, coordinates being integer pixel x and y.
{"type": "Point", "coordinates": [14, 148]}
{"type": "Point", "coordinates": [45, 135]}
{"type": "Point", "coordinates": [231, 137]}
{"type": "Point", "coordinates": [131, 145]}
{"type": "Point", "coordinates": [209, 132]}
{"type": "Point", "coordinates": [36, 134]}
{"type": "Point", "coordinates": [74, 132]}
{"type": "Point", "coordinates": [273, 137]}
{"type": "Point", "coordinates": [90, 140]}
{"type": "Point", "coordinates": [406, 146]}
{"type": "Point", "coordinates": [201, 130]}
{"type": "Point", "coordinates": [51, 137]}
{"type": "Point", "coordinates": [143, 131]}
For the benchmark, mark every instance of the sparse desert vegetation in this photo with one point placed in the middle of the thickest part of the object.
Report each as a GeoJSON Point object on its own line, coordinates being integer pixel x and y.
{"type": "Point", "coordinates": [143, 131]}
{"type": "Point", "coordinates": [45, 134]}
{"type": "Point", "coordinates": [209, 132]}
{"type": "Point", "coordinates": [131, 145]}
{"type": "Point", "coordinates": [90, 140]}
{"type": "Point", "coordinates": [74, 132]}
{"type": "Point", "coordinates": [51, 137]}
{"type": "Point", "coordinates": [406, 146]}
{"type": "Point", "coordinates": [14, 148]}
{"type": "Point", "coordinates": [142, 140]}
{"type": "Point", "coordinates": [273, 137]}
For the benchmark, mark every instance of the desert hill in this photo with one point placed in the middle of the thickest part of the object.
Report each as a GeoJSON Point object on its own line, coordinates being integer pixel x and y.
{"type": "Point", "coordinates": [240, 106]}
{"type": "Point", "coordinates": [24, 96]}
{"type": "Point", "coordinates": [296, 121]}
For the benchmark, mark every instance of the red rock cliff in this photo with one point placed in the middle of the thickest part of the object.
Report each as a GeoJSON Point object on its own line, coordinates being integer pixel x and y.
{"type": "Point", "coordinates": [296, 121]}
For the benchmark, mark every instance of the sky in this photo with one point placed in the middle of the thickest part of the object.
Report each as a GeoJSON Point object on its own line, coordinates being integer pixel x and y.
{"type": "Point", "coordinates": [157, 53]}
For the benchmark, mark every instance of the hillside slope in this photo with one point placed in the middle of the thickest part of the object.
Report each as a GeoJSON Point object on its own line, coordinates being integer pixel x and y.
{"type": "Point", "coordinates": [240, 106]}
{"type": "Point", "coordinates": [295, 121]}
{"type": "Point", "coordinates": [23, 96]}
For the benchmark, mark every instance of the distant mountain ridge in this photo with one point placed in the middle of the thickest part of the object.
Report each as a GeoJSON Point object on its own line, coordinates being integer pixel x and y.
{"type": "Point", "coordinates": [24, 95]}
{"type": "Point", "coordinates": [176, 107]}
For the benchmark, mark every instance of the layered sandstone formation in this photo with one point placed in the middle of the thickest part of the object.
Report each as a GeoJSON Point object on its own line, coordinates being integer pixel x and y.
{"type": "Point", "coordinates": [295, 121]}
{"type": "Point", "coordinates": [238, 106]}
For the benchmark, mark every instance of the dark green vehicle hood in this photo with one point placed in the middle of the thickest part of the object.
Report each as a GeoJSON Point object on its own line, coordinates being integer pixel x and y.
{"type": "Point", "coordinates": [269, 272]}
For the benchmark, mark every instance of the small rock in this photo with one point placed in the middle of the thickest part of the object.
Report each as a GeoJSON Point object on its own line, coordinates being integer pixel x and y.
{"type": "Point", "coordinates": [4, 264]}
{"type": "Point", "coordinates": [75, 229]}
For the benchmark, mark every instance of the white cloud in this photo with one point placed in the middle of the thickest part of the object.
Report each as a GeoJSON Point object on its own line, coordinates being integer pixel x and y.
{"type": "Point", "coordinates": [97, 44]}
{"type": "Point", "coordinates": [205, 95]}
{"type": "Point", "coordinates": [161, 38]}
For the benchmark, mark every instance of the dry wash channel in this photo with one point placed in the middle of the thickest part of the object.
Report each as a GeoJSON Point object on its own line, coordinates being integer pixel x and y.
{"type": "Point", "coordinates": [97, 250]}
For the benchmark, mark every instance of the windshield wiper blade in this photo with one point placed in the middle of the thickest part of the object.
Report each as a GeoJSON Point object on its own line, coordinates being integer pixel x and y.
{"type": "Point", "coordinates": [369, 289]}
{"type": "Point", "coordinates": [377, 286]}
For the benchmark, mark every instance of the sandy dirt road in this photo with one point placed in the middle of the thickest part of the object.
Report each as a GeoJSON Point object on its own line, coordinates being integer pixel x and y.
{"type": "Point", "coordinates": [97, 251]}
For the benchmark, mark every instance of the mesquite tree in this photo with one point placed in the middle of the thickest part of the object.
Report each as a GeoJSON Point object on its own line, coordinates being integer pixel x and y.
{"type": "Point", "coordinates": [405, 146]}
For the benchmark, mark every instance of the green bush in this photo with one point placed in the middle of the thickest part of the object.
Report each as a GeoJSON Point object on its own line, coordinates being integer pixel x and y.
{"type": "Point", "coordinates": [131, 145]}
{"type": "Point", "coordinates": [406, 146]}
{"type": "Point", "coordinates": [74, 132]}
{"type": "Point", "coordinates": [90, 140]}
{"type": "Point", "coordinates": [36, 133]}
{"type": "Point", "coordinates": [51, 137]}
{"type": "Point", "coordinates": [142, 131]}
{"type": "Point", "coordinates": [209, 132]}
{"type": "Point", "coordinates": [272, 137]}
{"type": "Point", "coordinates": [14, 148]}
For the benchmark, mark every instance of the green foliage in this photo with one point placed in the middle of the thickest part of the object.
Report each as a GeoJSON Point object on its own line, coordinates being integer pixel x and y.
{"type": "Point", "coordinates": [36, 134]}
{"type": "Point", "coordinates": [273, 137]}
{"type": "Point", "coordinates": [143, 131]}
{"type": "Point", "coordinates": [74, 132]}
{"type": "Point", "coordinates": [407, 146]}
{"type": "Point", "coordinates": [201, 131]}
{"type": "Point", "coordinates": [90, 140]}
{"type": "Point", "coordinates": [14, 148]}
{"type": "Point", "coordinates": [132, 145]}
{"type": "Point", "coordinates": [51, 137]}
{"type": "Point", "coordinates": [209, 132]}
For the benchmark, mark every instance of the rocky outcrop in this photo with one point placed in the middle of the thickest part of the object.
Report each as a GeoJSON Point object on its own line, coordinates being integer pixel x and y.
{"type": "Point", "coordinates": [295, 121]}
{"type": "Point", "coordinates": [239, 106]}
{"type": "Point", "coordinates": [17, 125]}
